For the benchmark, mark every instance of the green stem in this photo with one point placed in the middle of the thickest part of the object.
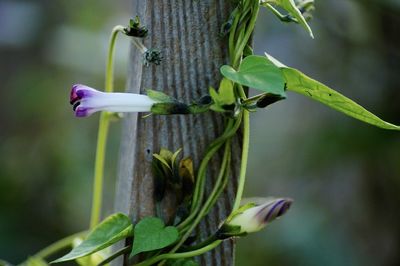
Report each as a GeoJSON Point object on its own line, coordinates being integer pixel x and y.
{"type": "Point", "coordinates": [218, 188]}
{"type": "Point", "coordinates": [109, 82]}
{"type": "Point", "coordinates": [118, 253]}
{"type": "Point", "coordinates": [248, 31]}
{"type": "Point", "coordinates": [232, 33]}
{"type": "Point", "coordinates": [139, 45]}
{"type": "Point", "coordinates": [222, 187]}
{"type": "Point", "coordinates": [224, 169]}
{"type": "Point", "coordinates": [59, 245]}
{"type": "Point", "coordinates": [211, 150]}
{"type": "Point", "coordinates": [206, 242]}
{"type": "Point", "coordinates": [182, 255]}
{"type": "Point", "coordinates": [99, 169]}
{"type": "Point", "coordinates": [197, 195]}
{"type": "Point", "coordinates": [102, 135]}
{"type": "Point", "coordinates": [253, 98]}
{"type": "Point", "coordinates": [230, 130]}
{"type": "Point", "coordinates": [200, 185]}
{"type": "Point", "coordinates": [245, 156]}
{"type": "Point", "coordinates": [246, 115]}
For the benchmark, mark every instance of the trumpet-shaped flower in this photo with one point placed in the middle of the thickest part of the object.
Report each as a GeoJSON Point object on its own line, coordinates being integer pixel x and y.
{"type": "Point", "coordinates": [252, 217]}
{"type": "Point", "coordinates": [86, 101]}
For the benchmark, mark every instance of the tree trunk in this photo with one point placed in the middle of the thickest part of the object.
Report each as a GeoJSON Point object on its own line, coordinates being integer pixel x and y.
{"type": "Point", "coordinates": [187, 33]}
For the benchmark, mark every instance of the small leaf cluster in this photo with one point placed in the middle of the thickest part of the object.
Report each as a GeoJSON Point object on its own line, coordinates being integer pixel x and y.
{"type": "Point", "coordinates": [224, 99]}
{"type": "Point", "coordinates": [175, 175]}
{"type": "Point", "coordinates": [135, 29]}
{"type": "Point", "coordinates": [152, 56]}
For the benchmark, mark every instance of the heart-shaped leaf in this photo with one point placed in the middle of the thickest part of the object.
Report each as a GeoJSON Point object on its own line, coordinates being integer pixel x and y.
{"type": "Point", "coordinates": [151, 234]}
{"type": "Point", "coordinates": [114, 228]}
{"type": "Point", "coordinates": [259, 73]}
{"type": "Point", "coordinates": [300, 83]}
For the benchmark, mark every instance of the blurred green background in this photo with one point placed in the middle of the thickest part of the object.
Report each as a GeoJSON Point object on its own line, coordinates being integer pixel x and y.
{"type": "Point", "coordinates": [343, 175]}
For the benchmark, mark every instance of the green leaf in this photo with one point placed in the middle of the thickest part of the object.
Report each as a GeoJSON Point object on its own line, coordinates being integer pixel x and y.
{"type": "Point", "coordinates": [160, 96]}
{"type": "Point", "coordinates": [240, 210]}
{"type": "Point", "coordinates": [214, 94]}
{"type": "Point", "coordinates": [227, 231]}
{"type": "Point", "coordinates": [169, 108]}
{"type": "Point", "coordinates": [166, 154]}
{"type": "Point", "coordinates": [302, 84]}
{"type": "Point", "coordinates": [290, 6]}
{"type": "Point", "coordinates": [224, 99]}
{"type": "Point", "coordinates": [225, 92]}
{"type": "Point", "coordinates": [216, 105]}
{"type": "Point", "coordinates": [114, 228]}
{"type": "Point", "coordinates": [181, 262]}
{"type": "Point", "coordinates": [92, 259]}
{"type": "Point", "coordinates": [187, 173]}
{"type": "Point", "coordinates": [151, 234]}
{"type": "Point", "coordinates": [175, 155]}
{"type": "Point", "coordinates": [162, 160]}
{"type": "Point", "coordinates": [259, 73]}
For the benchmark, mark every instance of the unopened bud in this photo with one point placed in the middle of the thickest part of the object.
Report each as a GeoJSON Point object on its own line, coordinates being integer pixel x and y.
{"type": "Point", "coordinates": [252, 218]}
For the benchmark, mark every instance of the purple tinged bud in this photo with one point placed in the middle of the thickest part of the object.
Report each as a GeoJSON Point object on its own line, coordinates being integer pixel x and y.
{"type": "Point", "coordinates": [253, 217]}
{"type": "Point", "coordinates": [86, 101]}
{"type": "Point", "coordinates": [275, 209]}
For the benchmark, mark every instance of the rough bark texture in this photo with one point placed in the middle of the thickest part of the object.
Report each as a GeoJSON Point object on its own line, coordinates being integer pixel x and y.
{"type": "Point", "coordinates": [187, 33]}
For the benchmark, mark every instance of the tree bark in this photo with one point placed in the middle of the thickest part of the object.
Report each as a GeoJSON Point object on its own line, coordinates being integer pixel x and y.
{"type": "Point", "coordinates": [187, 33]}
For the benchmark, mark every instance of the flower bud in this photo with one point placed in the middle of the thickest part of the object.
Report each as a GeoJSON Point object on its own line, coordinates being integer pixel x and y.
{"type": "Point", "coordinates": [252, 217]}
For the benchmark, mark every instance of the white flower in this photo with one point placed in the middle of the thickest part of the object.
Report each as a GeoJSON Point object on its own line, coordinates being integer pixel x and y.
{"type": "Point", "coordinates": [86, 101]}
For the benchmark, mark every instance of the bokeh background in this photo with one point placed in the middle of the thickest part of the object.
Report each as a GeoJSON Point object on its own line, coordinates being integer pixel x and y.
{"type": "Point", "coordinates": [343, 175]}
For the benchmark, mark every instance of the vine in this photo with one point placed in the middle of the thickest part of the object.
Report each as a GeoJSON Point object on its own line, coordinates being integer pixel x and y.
{"type": "Point", "coordinates": [169, 243]}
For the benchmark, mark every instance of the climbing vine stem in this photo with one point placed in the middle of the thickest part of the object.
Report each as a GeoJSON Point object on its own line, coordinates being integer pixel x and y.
{"type": "Point", "coordinates": [57, 246]}
{"type": "Point", "coordinates": [245, 156]}
{"type": "Point", "coordinates": [237, 55]}
{"type": "Point", "coordinates": [182, 255]}
{"type": "Point", "coordinates": [239, 37]}
{"type": "Point", "coordinates": [103, 134]}
{"type": "Point", "coordinates": [224, 171]}
{"type": "Point", "coordinates": [232, 125]}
